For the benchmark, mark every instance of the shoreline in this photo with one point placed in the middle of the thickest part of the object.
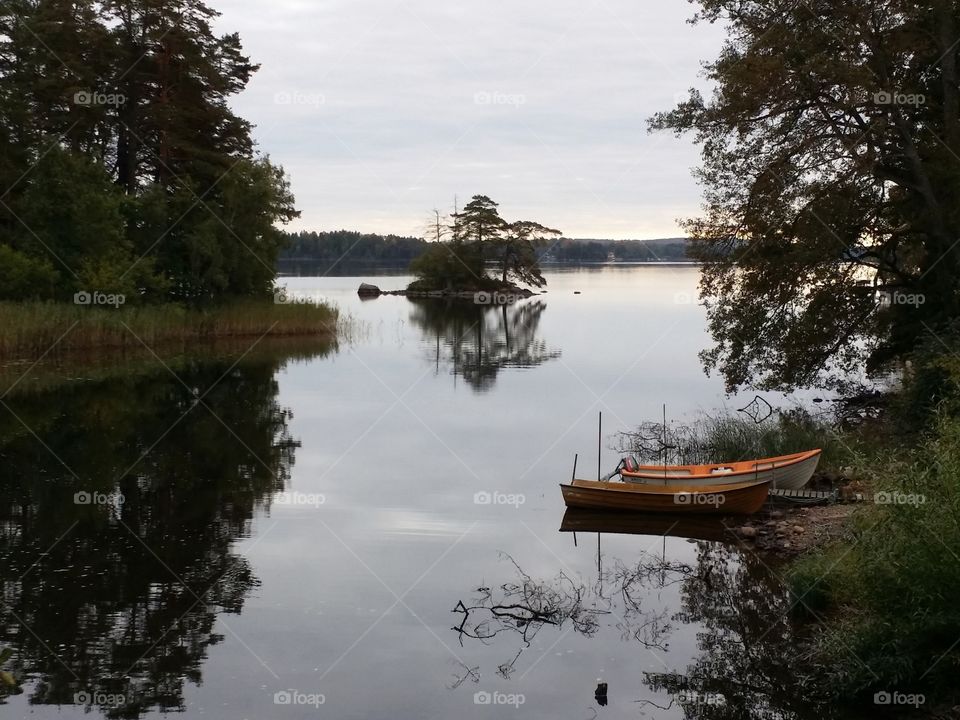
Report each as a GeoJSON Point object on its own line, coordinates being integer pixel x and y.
{"type": "Point", "coordinates": [789, 529]}
{"type": "Point", "coordinates": [35, 330]}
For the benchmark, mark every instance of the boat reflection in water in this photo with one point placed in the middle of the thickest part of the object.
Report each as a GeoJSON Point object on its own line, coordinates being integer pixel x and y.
{"type": "Point", "coordinates": [693, 527]}
{"type": "Point", "coordinates": [749, 663]}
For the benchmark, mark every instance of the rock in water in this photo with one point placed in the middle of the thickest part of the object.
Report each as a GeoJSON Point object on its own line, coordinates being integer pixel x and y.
{"type": "Point", "coordinates": [368, 289]}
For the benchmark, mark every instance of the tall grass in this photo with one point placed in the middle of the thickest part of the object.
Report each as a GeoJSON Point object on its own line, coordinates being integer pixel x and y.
{"type": "Point", "coordinates": [892, 592]}
{"type": "Point", "coordinates": [31, 330]}
{"type": "Point", "coordinates": [727, 437]}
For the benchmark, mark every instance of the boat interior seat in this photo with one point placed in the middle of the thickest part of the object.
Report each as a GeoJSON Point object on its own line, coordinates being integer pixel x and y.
{"type": "Point", "coordinates": [721, 470]}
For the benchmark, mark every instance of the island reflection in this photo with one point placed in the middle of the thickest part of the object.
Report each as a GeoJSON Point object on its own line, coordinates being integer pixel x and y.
{"type": "Point", "coordinates": [476, 341]}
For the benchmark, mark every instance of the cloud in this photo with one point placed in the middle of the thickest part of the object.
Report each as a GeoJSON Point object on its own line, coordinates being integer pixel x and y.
{"type": "Point", "coordinates": [381, 111]}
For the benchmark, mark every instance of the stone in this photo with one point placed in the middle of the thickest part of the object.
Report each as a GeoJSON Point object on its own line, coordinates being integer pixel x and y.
{"type": "Point", "coordinates": [799, 529]}
{"type": "Point", "coordinates": [747, 532]}
{"type": "Point", "coordinates": [368, 289]}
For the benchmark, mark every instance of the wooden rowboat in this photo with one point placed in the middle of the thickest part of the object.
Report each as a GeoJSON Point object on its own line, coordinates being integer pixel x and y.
{"type": "Point", "coordinates": [726, 499]}
{"type": "Point", "coordinates": [786, 472]}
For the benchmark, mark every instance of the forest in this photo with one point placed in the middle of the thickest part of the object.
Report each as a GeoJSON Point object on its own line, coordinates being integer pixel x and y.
{"type": "Point", "coordinates": [124, 169]}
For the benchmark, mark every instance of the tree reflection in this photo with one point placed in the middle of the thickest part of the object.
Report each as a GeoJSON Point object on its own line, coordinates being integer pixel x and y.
{"type": "Point", "coordinates": [119, 600]}
{"type": "Point", "coordinates": [522, 607]}
{"type": "Point", "coordinates": [478, 341]}
{"type": "Point", "coordinates": [750, 666]}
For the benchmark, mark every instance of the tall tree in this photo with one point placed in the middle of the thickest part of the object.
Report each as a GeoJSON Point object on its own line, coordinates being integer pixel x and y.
{"type": "Point", "coordinates": [474, 237]}
{"type": "Point", "coordinates": [518, 249]}
{"type": "Point", "coordinates": [831, 169]}
{"type": "Point", "coordinates": [136, 91]}
{"type": "Point", "coordinates": [479, 221]}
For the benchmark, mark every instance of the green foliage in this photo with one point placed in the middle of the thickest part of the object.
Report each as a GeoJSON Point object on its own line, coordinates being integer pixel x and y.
{"type": "Point", "coordinates": [124, 169]}
{"type": "Point", "coordinates": [598, 251]}
{"type": "Point", "coordinates": [31, 329]}
{"type": "Point", "coordinates": [478, 236]}
{"type": "Point", "coordinates": [830, 182]}
{"type": "Point", "coordinates": [349, 246]}
{"type": "Point", "coordinates": [930, 384]}
{"type": "Point", "coordinates": [517, 250]}
{"type": "Point", "coordinates": [450, 265]}
{"type": "Point", "coordinates": [891, 592]}
{"type": "Point", "coordinates": [22, 276]}
{"type": "Point", "coordinates": [730, 437]}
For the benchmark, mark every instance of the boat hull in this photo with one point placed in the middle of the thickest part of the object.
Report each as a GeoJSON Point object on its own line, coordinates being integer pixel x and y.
{"type": "Point", "coordinates": [788, 472]}
{"type": "Point", "coordinates": [728, 499]}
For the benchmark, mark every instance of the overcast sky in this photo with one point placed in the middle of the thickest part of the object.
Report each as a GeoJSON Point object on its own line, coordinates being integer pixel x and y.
{"type": "Point", "coordinates": [381, 111]}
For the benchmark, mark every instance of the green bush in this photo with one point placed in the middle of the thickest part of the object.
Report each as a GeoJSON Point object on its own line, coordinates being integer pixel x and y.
{"type": "Point", "coordinates": [892, 592]}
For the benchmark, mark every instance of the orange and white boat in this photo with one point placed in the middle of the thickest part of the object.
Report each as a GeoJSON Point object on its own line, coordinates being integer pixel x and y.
{"type": "Point", "coordinates": [786, 472]}
{"type": "Point", "coordinates": [729, 499]}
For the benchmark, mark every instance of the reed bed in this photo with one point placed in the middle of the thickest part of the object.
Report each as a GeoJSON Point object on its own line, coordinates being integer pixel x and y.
{"type": "Point", "coordinates": [33, 330]}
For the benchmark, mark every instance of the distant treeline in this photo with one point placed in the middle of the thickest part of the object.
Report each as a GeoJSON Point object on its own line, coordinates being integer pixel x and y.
{"type": "Point", "coordinates": [352, 246]}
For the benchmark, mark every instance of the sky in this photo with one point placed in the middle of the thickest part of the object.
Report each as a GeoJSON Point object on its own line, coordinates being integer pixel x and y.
{"type": "Point", "coordinates": [382, 111]}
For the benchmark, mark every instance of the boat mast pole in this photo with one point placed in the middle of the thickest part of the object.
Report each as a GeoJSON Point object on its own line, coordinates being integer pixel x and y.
{"type": "Point", "coordinates": [599, 442]}
{"type": "Point", "coordinates": [664, 443]}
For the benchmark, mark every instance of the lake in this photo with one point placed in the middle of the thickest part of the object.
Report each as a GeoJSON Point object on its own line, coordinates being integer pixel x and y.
{"type": "Point", "coordinates": [373, 529]}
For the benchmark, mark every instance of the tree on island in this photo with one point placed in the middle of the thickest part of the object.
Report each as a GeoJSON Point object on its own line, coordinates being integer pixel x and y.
{"type": "Point", "coordinates": [462, 247]}
{"type": "Point", "coordinates": [832, 182]}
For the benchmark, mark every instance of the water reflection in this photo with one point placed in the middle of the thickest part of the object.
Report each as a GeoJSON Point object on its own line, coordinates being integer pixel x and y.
{"type": "Point", "coordinates": [117, 527]}
{"type": "Point", "coordinates": [478, 341]}
{"type": "Point", "coordinates": [690, 527]}
{"type": "Point", "coordinates": [522, 606]}
{"type": "Point", "coordinates": [748, 664]}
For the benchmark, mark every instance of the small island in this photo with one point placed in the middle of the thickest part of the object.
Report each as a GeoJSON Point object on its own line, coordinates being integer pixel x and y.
{"type": "Point", "coordinates": [466, 245]}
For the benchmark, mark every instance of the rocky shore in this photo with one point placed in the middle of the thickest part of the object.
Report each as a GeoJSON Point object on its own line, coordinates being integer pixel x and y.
{"type": "Point", "coordinates": [788, 528]}
{"type": "Point", "coordinates": [486, 297]}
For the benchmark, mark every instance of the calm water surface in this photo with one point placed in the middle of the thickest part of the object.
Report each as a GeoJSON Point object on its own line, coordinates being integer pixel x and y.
{"type": "Point", "coordinates": [373, 530]}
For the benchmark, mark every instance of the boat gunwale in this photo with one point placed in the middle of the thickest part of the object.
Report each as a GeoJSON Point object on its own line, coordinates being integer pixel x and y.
{"type": "Point", "coordinates": [659, 472]}
{"type": "Point", "coordinates": [662, 490]}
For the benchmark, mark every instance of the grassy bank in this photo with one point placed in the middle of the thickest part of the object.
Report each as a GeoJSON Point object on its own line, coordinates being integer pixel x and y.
{"type": "Point", "coordinates": [886, 600]}
{"type": "Point", "coordinates": [878, 607]}
{"type": "Point", "coordinates": [29, 330]}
